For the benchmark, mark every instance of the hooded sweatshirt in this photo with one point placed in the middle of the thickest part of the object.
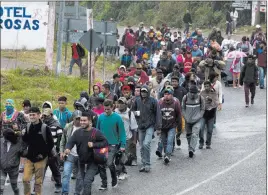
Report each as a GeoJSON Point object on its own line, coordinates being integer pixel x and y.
{"type": "Point", "coordinates": [150, 113]}
{"type": "Point", "coordinates": [50, 105]}
{"type": "Point", "coordinates": [171, 114]}
{"type": "Point", "coordinates": [193, 110]}
{"type": "Point", "coordinates": [64, 116]}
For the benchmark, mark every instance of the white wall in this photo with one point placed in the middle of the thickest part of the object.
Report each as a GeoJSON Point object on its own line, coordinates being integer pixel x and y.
{"type": "Point", "coordinates": [19, 38]}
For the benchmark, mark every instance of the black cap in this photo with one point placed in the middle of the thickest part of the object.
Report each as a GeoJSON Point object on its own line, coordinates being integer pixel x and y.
{"type": "Point", "coordinates": [193, 89]}
{"type": "Point", "coordinates": [26, 103]}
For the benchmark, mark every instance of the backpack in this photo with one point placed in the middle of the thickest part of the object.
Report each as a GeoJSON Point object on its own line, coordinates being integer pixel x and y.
{"type": "Point", "coordinates": [80, 51]}
{"type": "Point", "coordinates": [44, 135]}
{"type": "Point", "coordinates": [100, 154]}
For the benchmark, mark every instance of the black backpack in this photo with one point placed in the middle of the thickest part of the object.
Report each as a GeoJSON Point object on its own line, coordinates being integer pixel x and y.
{"type": "Point", "coordinates": [80, 51]}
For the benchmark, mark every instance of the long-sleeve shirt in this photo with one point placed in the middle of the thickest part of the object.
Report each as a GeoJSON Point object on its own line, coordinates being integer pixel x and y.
{"type": "Point", "coordinates": [113, 129]}
{"type": "Point", "coordinates": [80, 138]}
{"type": "Point", "coordinates": [171, 114]}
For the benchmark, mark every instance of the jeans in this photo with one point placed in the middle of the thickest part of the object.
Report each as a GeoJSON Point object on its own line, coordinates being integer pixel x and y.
{"type": "Point", "coordinates": [13, 176]}
{"type": "Point", "coordinates": [249, 88]}
{"type": "Point", "coordinates": [75, 61]}
{"type": "Point", "coordinates": [68, 167]}
{"type": "Point", "coordinates": [262, 74]}
{"type": "Point", "coordinates": [86, 176]}
{"type": "Point", "coordinates": [110, 163]}
{"type": "Point", "coordinates": [167, 141]}
{"type": "Point", "coordinates": [192, 132]}
{"type": "Point", "coordinates": [38, 169]}
{"type": "Point", "coordinates": [209, 123]}
{"type": "Point", "coordinates": [145, 139]}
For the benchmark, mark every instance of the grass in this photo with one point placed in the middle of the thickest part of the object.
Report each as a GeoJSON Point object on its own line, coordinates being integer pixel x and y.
{"type": "Point", "coordinates": [17, 86]}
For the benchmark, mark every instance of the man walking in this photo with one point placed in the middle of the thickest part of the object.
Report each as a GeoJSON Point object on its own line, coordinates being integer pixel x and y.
{"type": "Point", "coordinates": [249, 77]}
{"type": "Point", "coordinates": [86, 139]}
{"type": "Point", "coordinates": [77, 53]}
{"type": "Point", "coordinates": [211, 104]}
{"type": "Point", "coordinates": [148, 115]}
{"type": "Point", "coordinates": [171, 119]}
{"type": "Point", "coordinates": [187, 19]}
{"type": "Point", "coordinates": [72, 159]}
{"type": "Point", "coordinates": [112, 126]}
{"type": "Point", "coordinates": [193, 108]}
{"type": "Point", "coordinates": [39, 139]}
{"type": "Point", "coordinates": [131, 127]}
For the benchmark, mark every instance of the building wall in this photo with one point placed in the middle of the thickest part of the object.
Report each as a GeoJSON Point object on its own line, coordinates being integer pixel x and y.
{"type": "Point", "coordinates": [23, 25]}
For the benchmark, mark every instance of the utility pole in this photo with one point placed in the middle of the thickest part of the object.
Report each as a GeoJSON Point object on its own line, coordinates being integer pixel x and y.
{"type": "Point", "coordinates": [90, 53]}
{"type": "Point", "coordinates": [50, 35]}
{"type": "Point", "coordinates": [60, 37]}
{"type": "Point", "coordinates": [257, 16]}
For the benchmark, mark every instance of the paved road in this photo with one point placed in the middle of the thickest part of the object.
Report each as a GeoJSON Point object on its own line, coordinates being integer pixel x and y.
{"type": "Point", "coordinates": [236, 164]}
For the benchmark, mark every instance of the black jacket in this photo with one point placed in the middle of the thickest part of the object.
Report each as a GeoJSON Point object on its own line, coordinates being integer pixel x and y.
{"type": "Point", "coordinates": [187, 18]}
{"type": "Point", "coordinates": [150, 113]}
{"type": "Point", "coordinates": [179, 92]}
{"type": "Point", "coordinates": [80, 138]}
{"type": "Point", "coordinates": [36, 143]}
{"type": "Point", "coordinates": [249, 74]}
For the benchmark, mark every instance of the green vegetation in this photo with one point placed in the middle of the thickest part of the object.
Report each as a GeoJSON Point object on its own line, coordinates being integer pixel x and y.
{"type": "Point", "coordinates": [206, 13]}
{"type": "Point", "coordinates": [39, 86]}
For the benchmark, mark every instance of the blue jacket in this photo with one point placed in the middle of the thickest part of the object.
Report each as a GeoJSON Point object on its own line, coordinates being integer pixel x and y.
{"type": "Point", "coordinates": [63, 117]}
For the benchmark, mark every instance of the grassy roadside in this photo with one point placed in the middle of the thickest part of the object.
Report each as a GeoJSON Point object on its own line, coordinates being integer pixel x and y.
{"type": "Point", "coordinates": [39, 87]}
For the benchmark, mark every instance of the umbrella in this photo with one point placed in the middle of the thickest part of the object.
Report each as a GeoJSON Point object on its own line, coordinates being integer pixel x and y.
{"type": "Point", "coordinates": [236, 54]}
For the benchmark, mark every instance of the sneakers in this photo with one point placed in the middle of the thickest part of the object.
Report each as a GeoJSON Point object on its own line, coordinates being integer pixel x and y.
{"type": "Point", "coordinates": [57, 189]}
{"type": "Point", "coordinates": [167, 159]}
{"type": "Point", "coordinates": [158, 154]}
{"type": "Point", "coordinates": [134, 163]}
{"type": "Point", "coordinates": [200, 147]}
{"type": "Point", "coordinates": [122, 176]}
{"type": "Point", "coordinates": [103, 187]}
{"type": "Point", "coordinates": [21, 170]}
{"type": "Point", "coordinates": [114, 182]}
{"type": "Point", "coordinates": [208, 147]}
{"type": "Point", "coordinates": [142, 169]}
{"type": "Point", "coordinates": [246, 105]}
{"type": "Point", "coordinates": [191, 154]}
{"type": "Point", "coordinates": [252, 101]}
{"type": "Point", "coordinates": [147, 169]}
{"type": "Point", "coordinates": [73, 176]}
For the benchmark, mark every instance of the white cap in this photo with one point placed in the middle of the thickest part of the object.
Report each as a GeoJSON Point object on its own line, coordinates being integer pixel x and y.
{"type": "Point", "coordinates": [163, 43]}
{"type": "Point", "coordinates": [151, 27]}
{"type": "Point", "coordinates": [258, 26]}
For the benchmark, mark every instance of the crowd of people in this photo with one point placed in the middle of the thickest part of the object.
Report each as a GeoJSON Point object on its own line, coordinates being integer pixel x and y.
{"type": "Point", "coordinates": [168, 83]}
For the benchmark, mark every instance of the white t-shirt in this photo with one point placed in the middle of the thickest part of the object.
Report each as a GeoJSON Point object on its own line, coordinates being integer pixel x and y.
{"type": "Point", "coordinates": [74, 149]}
{"type": "Point", "coordinates": [155, 60]}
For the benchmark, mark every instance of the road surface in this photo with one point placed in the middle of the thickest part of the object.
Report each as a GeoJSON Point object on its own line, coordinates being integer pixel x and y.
{"type": "Point", "coordinates": [236, 164]}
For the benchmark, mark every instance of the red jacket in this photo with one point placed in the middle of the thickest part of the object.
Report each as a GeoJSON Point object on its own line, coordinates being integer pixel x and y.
{"type": "Point", "coordinates": [142, 79]}
{"type": "Point", "coordinates": [130, 40]}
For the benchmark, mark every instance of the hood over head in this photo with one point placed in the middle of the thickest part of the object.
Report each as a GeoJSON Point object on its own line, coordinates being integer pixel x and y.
{"type": "Point", "coordinates": [47, 103]}
{"type": "Point", "coordinates": [146, 87]}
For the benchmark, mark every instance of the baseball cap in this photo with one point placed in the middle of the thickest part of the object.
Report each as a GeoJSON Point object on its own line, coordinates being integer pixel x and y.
{"type": "Point", "coordinates": [47, 111]}
{"type": "Point", "coordinates": [144, 89]}
{"type": "Point", "coordinates": [77, 114]}
{"type": "Point", "coordinates": [169, 89]}
{"type": "Point", "coordinates": [122, 99]}
{"type": "Point", "coordinates": [125, 88]}
{"type": "Point", "coordinates": [34, 110]}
